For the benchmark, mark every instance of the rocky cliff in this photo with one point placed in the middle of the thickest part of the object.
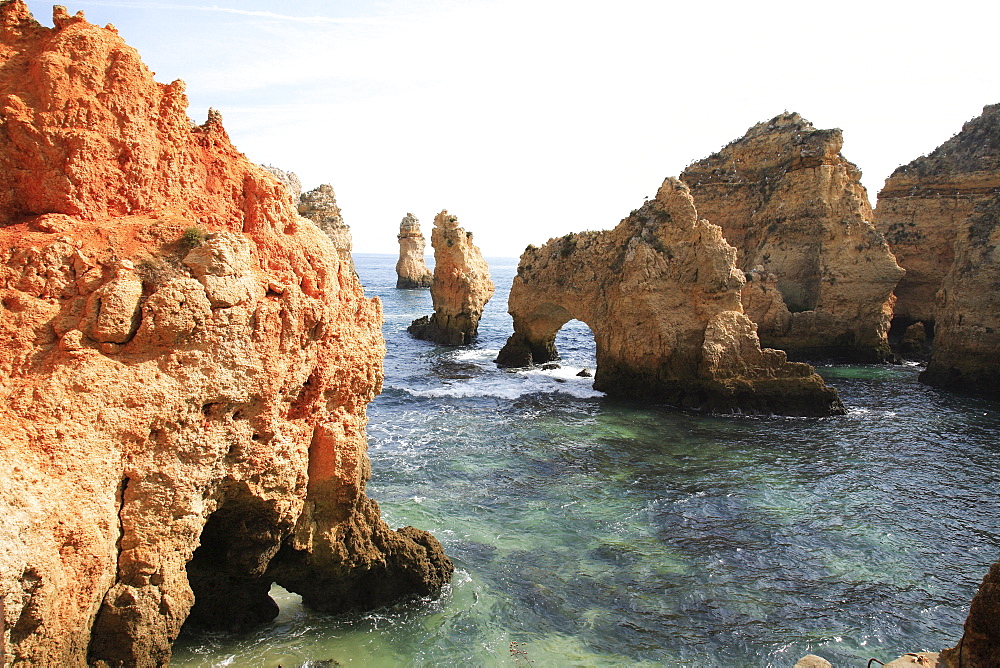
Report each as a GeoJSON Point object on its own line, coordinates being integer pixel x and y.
{"type": "Point", "coordinates": [460, 289]}
{"type": "Point", "coordinates": [290, 180]}
{"type": "Point", "coordinates": [411, 269]}
{"type": "Point", "coordinates": [184, 372]}
{"type": "Point", "coordinates": [320, 206]}
{"type": "Point", "coordinates": [941, 213]}
{"type": "Point", "coordinates": [980, 644]}
{"type": "Point", "coordinates": [799, 217]}
{"type": "Point", "coordinates": [661, 293]}
{"type": "Point", "coordinates": [925, 203]}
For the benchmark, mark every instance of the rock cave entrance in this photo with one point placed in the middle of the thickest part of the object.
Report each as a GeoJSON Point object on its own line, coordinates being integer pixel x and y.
{"type": "Point", "coordinates": [228, 571]}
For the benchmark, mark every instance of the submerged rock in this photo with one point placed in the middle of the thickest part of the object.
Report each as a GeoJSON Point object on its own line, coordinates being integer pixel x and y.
{"type": "Point", "coordinates": [661, 293]}
{"type": "Point", "coordinates": [461, 286]}
{"type": "Point", "coordinates": [411, 270]}
{"type": "Point", "coordinates": [185, 369]}
{"type": "Point", "coordinates": [799, 217]}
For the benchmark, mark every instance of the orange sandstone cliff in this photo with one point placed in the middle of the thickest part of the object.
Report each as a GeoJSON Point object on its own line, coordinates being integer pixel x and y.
{"type": "Point", "coordinates": [820, 277]}
{"type": "Point", "coordinates": [460, 289]}
{"type": "Point", "coordinates": [661, 293]}
{"type": "Point", "coordinates": [184, 370]}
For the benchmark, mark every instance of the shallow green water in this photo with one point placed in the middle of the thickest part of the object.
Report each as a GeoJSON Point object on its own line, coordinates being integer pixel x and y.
{"type": "Point", "coordinates": [595, 532]}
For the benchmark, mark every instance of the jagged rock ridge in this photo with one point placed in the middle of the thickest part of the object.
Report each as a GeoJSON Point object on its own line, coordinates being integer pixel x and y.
{"type": "Point", "coordinates": [661, 293]}
{"type": "Point", "coordinates": [184, 372]}
{"type": "Point", "coordinates": [794, 207]}
{"type": "Point", "coordinates": [460, 289]}
{"type": "Point", "coordinates": [411, 269]}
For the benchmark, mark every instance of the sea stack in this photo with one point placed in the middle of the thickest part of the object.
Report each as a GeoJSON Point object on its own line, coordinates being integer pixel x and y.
{"type": "Point", "coordinates": [185, 370]}
{"type": "Point", "coordinates": [820, 276]}
{"type": "Point", "coordinates": [661, 293]}
{"type": "Point", "coordinates": [460, 289]}
{"type": "Point", "coordinates": [941, 215]}
{"type": "Point", "coordinates": [320, 206]}
{"type": "Point", "coordinates": [411, 270]}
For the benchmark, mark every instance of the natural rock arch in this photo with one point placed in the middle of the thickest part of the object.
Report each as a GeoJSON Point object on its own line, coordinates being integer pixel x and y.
{"type": "Point", "coordinates": [661, 294]}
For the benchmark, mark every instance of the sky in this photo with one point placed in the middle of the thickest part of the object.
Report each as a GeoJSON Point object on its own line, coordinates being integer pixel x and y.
{"type": "Point", "coordinates": [529, 119]}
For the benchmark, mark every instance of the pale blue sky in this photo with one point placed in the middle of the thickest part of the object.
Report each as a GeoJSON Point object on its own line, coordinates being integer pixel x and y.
{"type": "Point", "coordinates": [529, 119]}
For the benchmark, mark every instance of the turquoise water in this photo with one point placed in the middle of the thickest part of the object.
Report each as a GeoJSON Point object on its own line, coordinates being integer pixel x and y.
{"type": "Point", "coordinates": [593, 532]}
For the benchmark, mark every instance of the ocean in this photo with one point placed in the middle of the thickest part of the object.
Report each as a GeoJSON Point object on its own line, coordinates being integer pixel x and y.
{"type": "Point", "coordinates": [587, 531]}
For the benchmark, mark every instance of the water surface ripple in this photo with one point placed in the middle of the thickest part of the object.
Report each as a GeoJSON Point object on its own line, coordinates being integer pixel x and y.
{"type": "Point", "coordinates": [596, 532]}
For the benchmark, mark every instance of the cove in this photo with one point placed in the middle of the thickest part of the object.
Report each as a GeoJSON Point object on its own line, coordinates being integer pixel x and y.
{"type": "Point", "coordinates": [599, 532]}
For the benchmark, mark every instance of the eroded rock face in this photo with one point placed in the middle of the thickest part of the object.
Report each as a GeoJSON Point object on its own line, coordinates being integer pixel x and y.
{"type": "Point", "coordinates": [980, 644]}
{"type": "Point", "coordinates": [661, 293]}
{"type": "Point", "coordinates": [184, 370]}
{"type": "Point", "coordinates": [411, 269]}
{"type": "Point", "coordinates": [290, 180]}
{"type": "Point", "coordinates": [795, 208]}
{"type": "Point", "coordinates": [320, 206]}
{"type": "Point", "coordinates": [941, 213]}
{"type": "Point", "coordinates": [925, 203]}
{"type": "Point", "coordinates": [460, 289]}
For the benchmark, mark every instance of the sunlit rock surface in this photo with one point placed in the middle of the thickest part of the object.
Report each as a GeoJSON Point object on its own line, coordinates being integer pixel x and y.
{"type": "Point", "coordinates": [461, 287]}
{"type": "Point", "coordinates": [411, 269]}
{"type": "Point", "coordinates": [796, 211]}
{"type": "Point", "coordinates": [661, 293]}
{"type": "Point", "coordinates": [184, 370]}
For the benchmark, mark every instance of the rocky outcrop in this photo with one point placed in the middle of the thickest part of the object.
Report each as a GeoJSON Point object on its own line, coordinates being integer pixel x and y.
{"type": "Point", "coordinates": [460, 289]}
{"type": "Point", "coordinates": [320, 206]}
{"type": "Point", "coordinates": [290, 180]}
{"type": "Point", "coordinates": [411, 270]}
{"type": "Point", "coordinates": [661, 293]}
{"type": "Point", "coordinates": [184, 370]}
{"type": "Point", "coordinates": [980, 643]}
{"type": "Point", "coordinates": [799, 217]}
{"type": "Point", "coordinates": [926, 202]}
{"type": "Point", "coordinates": [941, 214]}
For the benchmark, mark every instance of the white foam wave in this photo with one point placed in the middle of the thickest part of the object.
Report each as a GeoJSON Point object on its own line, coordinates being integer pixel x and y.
{"type": "Point", "coordinates": [515, 384]}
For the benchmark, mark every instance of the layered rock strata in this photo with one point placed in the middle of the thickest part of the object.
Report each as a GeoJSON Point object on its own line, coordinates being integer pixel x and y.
{"type": "Point", "coordinates": [320, 206]}
{"type": "Point", "coordinates": [460, 289]}
{"type": "Point", "coordinates": [796, 211]}
{"type": "Point", "coordinates": [941, 213]}
{"type": "Point", "coordinates": [925, 203]}
{"type": "Point", "coordinates": [184, 370]}
{"type": "Point", "coordinates": [661, 293]}
{"type": "Point", "coordinates": [411, 269]}
{"type": "Point", "coordinates": [980, 643]}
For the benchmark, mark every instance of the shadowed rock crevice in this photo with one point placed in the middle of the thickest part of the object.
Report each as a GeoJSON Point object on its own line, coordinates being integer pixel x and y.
{"type": "Point", "coordinates": [661, 294]}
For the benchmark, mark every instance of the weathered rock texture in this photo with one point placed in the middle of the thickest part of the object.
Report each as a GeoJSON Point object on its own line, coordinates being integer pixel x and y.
{"type": "Point", "coordinates": [460, 289]}
{"type": "Point", "coordinates": [980, 644]}
{"type": "Point", "coordinates": [411, 270]}
{"type": "Point", "coordinates": [290, 180]}
{"type": "Point", "coordinates": [796, 211]}
{"type": "Point", "coordinates": [184, 370]}
{"type": "Point", "coordinates": [320, 206]}
{"type": "Point", "coordinates": [661, 293]}
{"type": "Point", "coordinates": [924, 205]}
{"type": "Point", "coordinates": [941, 213]}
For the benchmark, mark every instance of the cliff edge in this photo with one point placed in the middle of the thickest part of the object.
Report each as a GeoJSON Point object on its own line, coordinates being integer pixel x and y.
{"type": "Point", "coordinates": [184, 370]}
{"type": "Point", "coordinates": [794, 208]}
